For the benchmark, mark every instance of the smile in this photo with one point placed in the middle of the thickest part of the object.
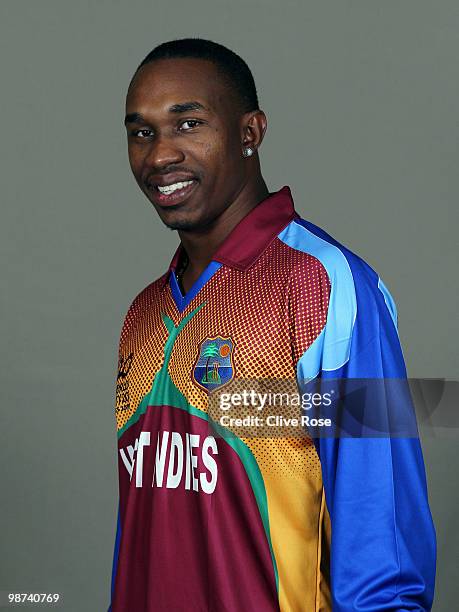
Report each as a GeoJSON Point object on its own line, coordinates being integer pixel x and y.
{"type": "Point", "coordinates": [171, 188]}
{"type": "Point", "coordinates": [175, 193]}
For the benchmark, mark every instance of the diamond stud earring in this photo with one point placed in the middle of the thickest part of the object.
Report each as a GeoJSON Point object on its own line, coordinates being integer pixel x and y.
{"type": "Point", "coordinates": [247, 151]}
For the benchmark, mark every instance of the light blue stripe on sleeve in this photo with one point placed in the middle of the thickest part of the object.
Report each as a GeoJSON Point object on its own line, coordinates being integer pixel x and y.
{"type": "Point", "coordinates": [389, 302]}
{"type": "Point", "coordinates": [331, 348]}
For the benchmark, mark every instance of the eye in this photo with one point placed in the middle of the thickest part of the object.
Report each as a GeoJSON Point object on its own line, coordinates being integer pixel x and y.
{"type": "Point", "coordinates": [142, 133]}
{"type": "Point", "coordinates": [192, 123]}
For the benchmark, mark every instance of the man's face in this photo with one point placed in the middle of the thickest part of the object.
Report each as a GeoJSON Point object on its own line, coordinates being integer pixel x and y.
{"type": "Point", "coordinates": [183, 127]}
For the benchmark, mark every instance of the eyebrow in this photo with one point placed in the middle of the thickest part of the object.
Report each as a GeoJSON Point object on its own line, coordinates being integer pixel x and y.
{"type": "Point", "coordinates": [187, 106]}
{"type": "Point", "coordinates": [184, 107]}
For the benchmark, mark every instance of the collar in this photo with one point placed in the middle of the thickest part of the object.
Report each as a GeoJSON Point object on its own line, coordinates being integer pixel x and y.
{"type": "Point", "coordinates": [253, 234]}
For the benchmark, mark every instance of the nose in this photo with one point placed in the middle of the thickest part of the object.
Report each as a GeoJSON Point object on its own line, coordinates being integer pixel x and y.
{"type": "Point", "coordinates": [163, 152]}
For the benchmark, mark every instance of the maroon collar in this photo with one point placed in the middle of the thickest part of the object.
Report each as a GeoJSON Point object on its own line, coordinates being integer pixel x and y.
{"type": "Point", "coordinates": [253, 234]}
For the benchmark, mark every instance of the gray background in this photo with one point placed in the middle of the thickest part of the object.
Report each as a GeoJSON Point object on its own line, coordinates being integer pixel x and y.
{"type": "Point", "coordinates": [361, 99]}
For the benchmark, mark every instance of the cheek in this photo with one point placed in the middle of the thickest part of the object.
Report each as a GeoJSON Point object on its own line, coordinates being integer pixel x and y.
{"type": "Point", "coordinates": [131, 157]}
{"type": "Point", "coordinates": [205, 149]}
{"type": "Point", "coordinates": [215, 145]}
{"type": "Point", "coordinates": [135, 160]}
{"type": "Point", "coordinates": [218, 155]}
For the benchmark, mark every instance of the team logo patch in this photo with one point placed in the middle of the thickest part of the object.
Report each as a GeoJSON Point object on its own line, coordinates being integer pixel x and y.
{"type": "Point", "coordinates": [214, 366]}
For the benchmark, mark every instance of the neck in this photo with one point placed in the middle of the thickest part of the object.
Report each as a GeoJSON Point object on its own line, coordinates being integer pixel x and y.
{"type": "Point", "coordinates": [201, 246]}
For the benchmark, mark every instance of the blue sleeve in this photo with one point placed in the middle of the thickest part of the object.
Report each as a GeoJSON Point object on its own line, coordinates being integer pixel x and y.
{"type": "Point", "coordinates": [383, 545]}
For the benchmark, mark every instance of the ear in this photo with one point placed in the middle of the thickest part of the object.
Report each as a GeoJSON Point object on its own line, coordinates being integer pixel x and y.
{"type": "Point", "coordinates": [253, 129]}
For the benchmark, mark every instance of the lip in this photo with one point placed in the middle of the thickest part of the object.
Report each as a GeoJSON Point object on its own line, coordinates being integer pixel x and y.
{"type": "Point", "coordinates": [177, 197]}
{"type": "Point", "coordinates": [170, 178]}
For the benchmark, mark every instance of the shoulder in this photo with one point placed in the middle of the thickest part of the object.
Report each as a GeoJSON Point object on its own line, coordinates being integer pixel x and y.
{"type": "Point", "coordinates": [361, 315]}
{"type": "Point", "coordinates": [143, 305]}
{"type": "Point", "coordinates": [150, 293]}
{"type": "Point", "coordinates": [352, 280]}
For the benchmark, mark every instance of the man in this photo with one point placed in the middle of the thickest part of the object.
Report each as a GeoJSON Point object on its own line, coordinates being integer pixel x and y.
{"type": "Point", "coordinates": [250, 523]}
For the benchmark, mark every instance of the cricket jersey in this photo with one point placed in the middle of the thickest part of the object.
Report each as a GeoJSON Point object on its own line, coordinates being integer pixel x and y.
{"type": "Point", "coordinates": [218, 519]}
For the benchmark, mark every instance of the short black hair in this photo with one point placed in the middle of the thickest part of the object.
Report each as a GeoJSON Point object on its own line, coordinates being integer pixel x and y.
{"type": "Point", "coordinates": [230, 66]}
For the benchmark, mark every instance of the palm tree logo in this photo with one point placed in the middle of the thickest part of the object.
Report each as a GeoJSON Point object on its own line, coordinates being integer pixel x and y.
{"type": "Point", "coordinates": [214, 366]}
{"type": "Point", "coordinates": [210, 351]}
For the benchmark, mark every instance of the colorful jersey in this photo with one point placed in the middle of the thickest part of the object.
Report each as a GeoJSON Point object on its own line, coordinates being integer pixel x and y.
{"type": "Point", "coordinates": [231, 523]}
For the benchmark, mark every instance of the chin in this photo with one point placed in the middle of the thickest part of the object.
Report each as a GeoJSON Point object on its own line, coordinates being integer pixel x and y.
{"type": "Point", "coordinates": [184, 225]}
{"type": "Point", "coordinates": [187, 223]}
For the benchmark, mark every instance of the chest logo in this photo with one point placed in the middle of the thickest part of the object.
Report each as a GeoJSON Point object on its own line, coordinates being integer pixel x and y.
{"type": "Point", "coordinates": [214, 366]}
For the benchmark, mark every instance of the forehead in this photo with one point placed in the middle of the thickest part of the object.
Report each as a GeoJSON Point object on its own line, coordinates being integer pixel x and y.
{"type": "Point", "coordinates": [165, 82]}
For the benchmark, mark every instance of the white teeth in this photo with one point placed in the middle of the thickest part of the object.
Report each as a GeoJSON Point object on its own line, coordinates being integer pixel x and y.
{"type": "Point", "coordinates": [171, 188]}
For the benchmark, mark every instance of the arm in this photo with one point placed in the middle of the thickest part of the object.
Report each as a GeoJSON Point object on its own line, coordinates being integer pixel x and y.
{"type": "Point", "coordinates": [383, 548]}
